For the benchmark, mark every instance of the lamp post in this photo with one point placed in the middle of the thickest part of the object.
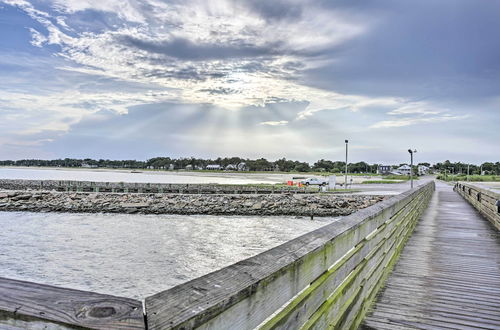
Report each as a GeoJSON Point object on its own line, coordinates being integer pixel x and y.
{"type": "Point", "coordinates": [411, 166]}
{"type": "Point", "coordinates": [468, 168]}
{"type": "Point", "coordinates": [346, 148]}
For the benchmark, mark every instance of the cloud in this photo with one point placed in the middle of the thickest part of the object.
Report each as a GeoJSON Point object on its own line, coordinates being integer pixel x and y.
{"type": "Point", "coordinates": [401, 122]}
{"type": "Point", "coordinates": [38, 38]}
{"type": "Point", "coordinates": [201, 47]}
{"type": "Point", "coordinates": [187, 50]}
{"type": "Point", "coordinates": [453, 55]}
{"type": "Point", "coordinates": [421, 108]}
{"type": "Point", "coordinates": [274, 123]}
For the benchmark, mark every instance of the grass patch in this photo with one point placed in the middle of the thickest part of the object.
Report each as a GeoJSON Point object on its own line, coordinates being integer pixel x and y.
{"type": "Point", "coordinates": [381, 181]}
{"type": "Point", "coordinates": [472, 178]}
{"type": "Point", "coordinates": [398, 177]}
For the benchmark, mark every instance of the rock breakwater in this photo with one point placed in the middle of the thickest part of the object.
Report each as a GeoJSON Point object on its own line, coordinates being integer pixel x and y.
{"type": "Point", "coordinates": [223, 204]}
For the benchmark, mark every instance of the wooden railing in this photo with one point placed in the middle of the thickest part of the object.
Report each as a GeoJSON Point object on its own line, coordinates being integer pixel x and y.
{"type": "Point", "coordinates": [326, 278]}
{"type": "Point", "coordinates": [26, 305]}
{"type": "Point", "coordinates": [487, 202]}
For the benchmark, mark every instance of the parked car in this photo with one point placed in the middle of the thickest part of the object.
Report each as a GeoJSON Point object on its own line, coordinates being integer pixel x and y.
{"type": "Point", "coordinates": [315, 181]}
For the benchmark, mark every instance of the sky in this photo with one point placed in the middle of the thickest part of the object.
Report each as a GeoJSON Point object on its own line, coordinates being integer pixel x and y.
{"type": "Point", "coordinates": [125, 79]}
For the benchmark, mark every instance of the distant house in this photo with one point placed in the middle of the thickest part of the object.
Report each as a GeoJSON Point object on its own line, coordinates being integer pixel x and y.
{"type": "Point", "coordinates": [231, 167]}
{"type": "Point", "coordinates": [213, 167]}
{"type": "Point", "coordinates": [87, 165]}
{"type": "Point", "coordinates": [404, 170]}
{"type": "Point", "coordinates": [171, 167]}
{"type": "Point", "coordinates": [384, 169]}
{"type": "Point", "coordinates": [242, 167]}
{"type": "Point", "coordinates": [189, 167]}
{"type": "Point", "coordinates": [423, 170]}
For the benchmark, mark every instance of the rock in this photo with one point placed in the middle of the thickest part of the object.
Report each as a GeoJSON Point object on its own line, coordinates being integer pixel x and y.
{"type": "Point", "coordinates": [134, 205]}
{"type": "Point", "coordinates": [257, 206]}
{"type": "Point", "coordinates": [21, 197]}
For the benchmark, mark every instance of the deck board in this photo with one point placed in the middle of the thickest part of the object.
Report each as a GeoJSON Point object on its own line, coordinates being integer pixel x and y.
{"type": "Point", "coordinates": [448, 275]}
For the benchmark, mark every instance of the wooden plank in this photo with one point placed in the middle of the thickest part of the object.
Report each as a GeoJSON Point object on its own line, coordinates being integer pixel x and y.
{"type": "Point", "coordinates": [20, 300]}
{"type": "Point", "coordinates": [246, 293]}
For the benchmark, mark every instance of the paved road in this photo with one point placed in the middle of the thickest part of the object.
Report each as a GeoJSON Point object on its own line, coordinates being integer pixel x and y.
{"type": "Point", "coordinates": [448, 275]}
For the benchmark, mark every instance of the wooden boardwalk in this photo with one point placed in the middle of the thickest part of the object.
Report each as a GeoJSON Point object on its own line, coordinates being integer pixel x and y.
{"type": "Point", "coordinates": [448, 275]}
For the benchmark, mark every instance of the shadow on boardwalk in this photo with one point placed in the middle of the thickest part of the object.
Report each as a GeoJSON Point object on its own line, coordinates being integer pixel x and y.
{"type": "Point", "coordinates": [448, 275]}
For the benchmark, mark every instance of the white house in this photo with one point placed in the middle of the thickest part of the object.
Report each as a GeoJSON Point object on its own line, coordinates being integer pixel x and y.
{"type": "Point", "coordinates": [88, 165]}
{"type": "Point", "coordinates": [404, 170]}
{"type": "Point", "coordinates": [423, 170]}
{"type": "Point", "coordinates": [213, 167]}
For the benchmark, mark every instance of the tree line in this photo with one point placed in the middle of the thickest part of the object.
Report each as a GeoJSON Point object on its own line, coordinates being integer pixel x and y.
{"type": "Point", "coordinates": [488, 168]}
{"type": "Point", "coordinates": [261, 164]}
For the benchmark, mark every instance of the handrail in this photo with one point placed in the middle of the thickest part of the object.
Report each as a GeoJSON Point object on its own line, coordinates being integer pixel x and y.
{"type": "Point", "coordinates": [25, 303]}
{"type": "Point", "coordinates": [486, 201]}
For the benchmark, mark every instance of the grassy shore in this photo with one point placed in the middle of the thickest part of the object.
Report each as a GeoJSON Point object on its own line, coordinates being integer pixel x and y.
{"type": "Point", "coordinates": [388, 179]}
{"type": "Point", "coordinates": [381, 181]}
{"type": "Point", "coordinates": [472, 178]}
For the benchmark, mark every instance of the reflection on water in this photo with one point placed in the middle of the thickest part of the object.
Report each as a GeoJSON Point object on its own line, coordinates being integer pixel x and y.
{"type": "Point", "coordinates": [133, 255]}
{"type": "Point", "coordinates": [146, 176]}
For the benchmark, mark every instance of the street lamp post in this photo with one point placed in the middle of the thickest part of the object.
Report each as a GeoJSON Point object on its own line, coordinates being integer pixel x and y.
{"type": "Point", "coordinates": [346, 148]}
{"type": "Point", "coordinates": [411, 166]}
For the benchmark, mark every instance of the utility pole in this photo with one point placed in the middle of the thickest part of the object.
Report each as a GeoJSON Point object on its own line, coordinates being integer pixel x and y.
{"type": "Point", "coordinates": [346, 148]}
{"type": "Point", "coordinates": [468, 168]}
{"type": "Point", "coordinates": [411, 166]}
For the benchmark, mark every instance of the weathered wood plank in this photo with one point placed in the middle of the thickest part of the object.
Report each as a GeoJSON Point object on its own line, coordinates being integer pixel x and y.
{"type": "Point", "coordinates": [26, 301]}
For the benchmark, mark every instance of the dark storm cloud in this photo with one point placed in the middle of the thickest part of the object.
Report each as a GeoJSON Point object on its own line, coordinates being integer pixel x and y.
{"type": "Point", "coordinates": [430, 49]}
{"type": "Point", "coordinates": [276, 10]}
{"type": "Point", "coordinates": [187, 50]}
{"type": "Point", "coordinates": [220, 91]}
